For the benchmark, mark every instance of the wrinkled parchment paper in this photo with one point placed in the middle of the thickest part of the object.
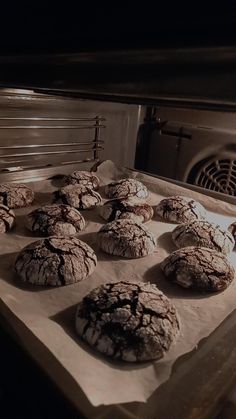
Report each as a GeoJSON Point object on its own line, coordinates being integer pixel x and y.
{"type": "Point", "coordinates": [43, 318]}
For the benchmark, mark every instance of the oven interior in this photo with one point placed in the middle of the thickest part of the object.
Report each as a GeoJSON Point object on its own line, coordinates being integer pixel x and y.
{"type": "Point", "coordinates": [40, 133]}
{"type": "Point", "coordinates": [44, 134]}
{"type": "Point", "coordinates": [189, 145]}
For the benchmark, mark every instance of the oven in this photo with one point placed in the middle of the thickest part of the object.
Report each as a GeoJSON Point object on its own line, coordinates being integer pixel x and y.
{"type": "Point", "coordinates": [181, 130]}
{"type": "Point", "coordinates": [192, 146]}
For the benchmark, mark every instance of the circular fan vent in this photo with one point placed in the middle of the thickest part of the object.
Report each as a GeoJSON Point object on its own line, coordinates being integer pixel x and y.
{"type": "Point", "coordinates": [218, 175]}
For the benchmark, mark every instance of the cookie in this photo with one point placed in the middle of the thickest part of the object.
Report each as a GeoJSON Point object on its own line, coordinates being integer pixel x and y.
{"type": "Point", "coordinates": [15, 195]}
{"type": "Point", "coordinates": [55, 220]}
{"type": "Point", "coordinates": [180, 209]}
{"type": "Point", "coordinates": [55, 261]}
{"type": "Point", "coordinates": [199, 268]}
{"type": "Point", "coordinates": [131, 208]}
{"type": "Point", "coordinates": [7, 219]}
{"type": "Point", "coordinates": [125, 188]}
{"type": "Point", "coordinates": [232, 230]}
{"type": "Point", "coordinates": [78, 196]}
{"type": "Point", "coordinates": [126, 238]}
{"type": "Point", "coordinates": [133, 322]}
{"type": "Point", "coordinates": [204, 234]}
{"type": "Point", "coordinates": [84, 178]}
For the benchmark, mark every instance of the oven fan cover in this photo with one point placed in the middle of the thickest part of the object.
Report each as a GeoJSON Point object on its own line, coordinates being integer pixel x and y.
{"type": "Point", "coordinates": [217, 173]}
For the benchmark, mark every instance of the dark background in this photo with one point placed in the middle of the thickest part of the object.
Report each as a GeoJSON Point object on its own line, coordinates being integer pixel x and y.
{"type": "Point", "coordinates": [60, 27]}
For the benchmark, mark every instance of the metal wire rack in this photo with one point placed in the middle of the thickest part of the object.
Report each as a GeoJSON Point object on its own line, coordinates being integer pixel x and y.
{"type": "Point", "coordinates": [20, 152]}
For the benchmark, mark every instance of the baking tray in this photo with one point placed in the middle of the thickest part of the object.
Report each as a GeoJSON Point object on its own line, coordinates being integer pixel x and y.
{"type": "Point", "coordinates": [201, 374]}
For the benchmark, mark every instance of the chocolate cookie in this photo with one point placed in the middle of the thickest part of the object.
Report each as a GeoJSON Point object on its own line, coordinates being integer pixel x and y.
{"type": "Point", "coordinates": [7, 219]}
{"type": "Point", "coordinates": [204, 234]}
{"type": "Point", "coordinates": [55, 261]}
{"type": "Point", "coordinates": [126, 238]}
{"type": "Point", "coordinates": [199, 268]}
{"type": "Point", "coordinates": [125, 188]}
{"type": "Point", "coordinates": [55, 220]}
{"type": "Point", "coordinates": [15, 195]}
{"type": "Point", "coordinates": [180, 209]}
{"type": "Point", "coordinates": [133, 322]}
{"type": "Point", "coordinates": [78, 196]}
{"type": "Point", "coordinates": [84, 178]}
{"type": "Point", "coordinates": [131, 208]}
{"type": "Point", "coordinates": [232, 230]}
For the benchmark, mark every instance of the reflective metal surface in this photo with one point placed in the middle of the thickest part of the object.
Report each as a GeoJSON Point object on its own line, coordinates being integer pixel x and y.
{"type": "Point", "coordinates": [203, 77]}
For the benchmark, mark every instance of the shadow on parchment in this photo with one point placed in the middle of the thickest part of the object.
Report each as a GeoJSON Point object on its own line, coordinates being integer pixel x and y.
{"type": "Point", "coordinates": [57, 181]}
{"type": "Point", "coordinates": [66, 319]}
{"type": "Point", "coordinates": [43, 198]}
{"type": "Point", "coordinates": [20, 227]}
{"type": "Point", "coordinates": [166, 242]}
{"type": "Point", "coordinates": [101, 191]}
{"type": "Point", "coordinates": [92, 215]}
{"type": "Point", "coordinates": [89, 238]}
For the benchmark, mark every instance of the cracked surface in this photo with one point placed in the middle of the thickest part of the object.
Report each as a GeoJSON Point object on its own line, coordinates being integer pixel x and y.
{"type": "Point", "coordinates": [131, 208]}
{"type": "Point", "coordinates": [84, 178]}
{"type": "Point", "coordinates": [7, 219]}
{"type": "Point", "coordinates": [199, 268]}
{"type": "Point", "coordinates": [55, 220]}
{"type": "Point", "coordinates": [125, 188]}
{"type": "Point", "coordinates": [126, 238]}
{"type": "Point", "coordinates": [232, 230]}
{"type": "Point", "coordinates": [55, 261]}
{"type": "Point", "coordinates": [133, 322]}
{"type": "Point", "coordinates": [78, 196]}
{"type": "Point", "coordinates": [15, 195]}
{"type": "Point", "coordinates": [204, 234]}
{"type": "Point", "coordinates": [180, 209]}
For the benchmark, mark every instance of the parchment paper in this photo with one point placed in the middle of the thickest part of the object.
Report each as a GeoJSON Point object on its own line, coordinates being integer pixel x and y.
{"type": "Point", "coordinates": [44, 317]}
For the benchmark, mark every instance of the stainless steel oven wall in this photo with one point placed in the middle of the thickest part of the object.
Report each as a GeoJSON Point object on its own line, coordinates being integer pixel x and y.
{"type": "Point", "coordinates": [193, 146]}
{"type": "Point", "coordinates": [39, 131]}
{"type": "Point", "coordinates": [120, 135]}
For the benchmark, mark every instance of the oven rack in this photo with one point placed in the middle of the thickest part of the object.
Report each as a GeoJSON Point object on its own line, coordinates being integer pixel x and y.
{"type": "Point", "coordinates": [31, 143]}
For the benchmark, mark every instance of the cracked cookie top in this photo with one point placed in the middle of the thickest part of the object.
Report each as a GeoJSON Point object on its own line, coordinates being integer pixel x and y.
{"type": "Point", "coordinates": [133, 322]}
{"type": "Point", "coordinates": [78, 196]}
{"type": "Point", "coordinates": [232, 230]}
{"type": "Point", "coordinates": [55, 261]}
{"type": "Point", "coordinates": [15, 195]}
{"type": "Point", "coordinates": [199, 268]}
{"type": "Point", "coordinates": [55, 220]}
{"type": "Point", "coordinates": [84, 178]}
{"type": "Point", "coordinates": [125, 188]}
{"type": "Point", "coordinates": [131, 208]}
{"type": "Point", "coordinates": [7, 219]}
{"type": "Point", "coordinates": [126, 238]}
{"type": "Point", "coordinates": [180, 209]}
{"type": "Point", "coordinates": [205, 234]}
